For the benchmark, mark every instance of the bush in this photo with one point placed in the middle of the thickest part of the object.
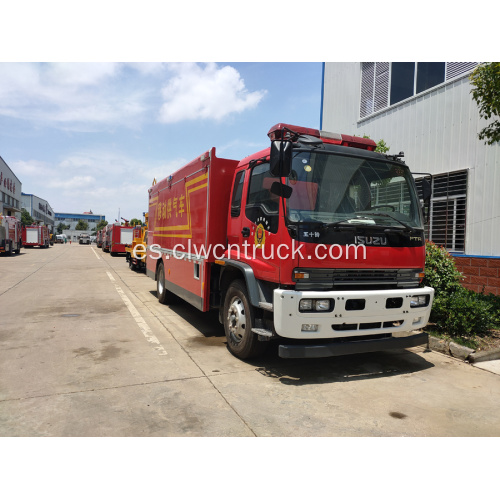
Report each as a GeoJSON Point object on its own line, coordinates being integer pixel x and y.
{"type": "Point", "coordinates": [494, 302]}
{"type": "Point", "coordinates": [440, 270]}
{"type": "Point", "coordinates": [462, 313]}
{"type": "Point", "coordinates": [457, 311]}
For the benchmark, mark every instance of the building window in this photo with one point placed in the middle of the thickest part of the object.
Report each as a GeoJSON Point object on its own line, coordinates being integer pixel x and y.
{"type": "Point", "coordinates": [429, 74]}
{"type": "Point", "coordinates": [448, 207]}
{"type": "Point", "coordinates": [402, 81]}
{"type": "Point", "coordinates": [384, 84]}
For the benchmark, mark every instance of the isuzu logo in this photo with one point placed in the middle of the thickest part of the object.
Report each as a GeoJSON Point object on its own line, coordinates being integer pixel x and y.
{"type": "Point", "coordinates": [375, 241]}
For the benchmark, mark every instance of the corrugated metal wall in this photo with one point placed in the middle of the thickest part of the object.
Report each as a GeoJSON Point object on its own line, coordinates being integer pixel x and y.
{"type": "Point", "coordinates": [437, 131]}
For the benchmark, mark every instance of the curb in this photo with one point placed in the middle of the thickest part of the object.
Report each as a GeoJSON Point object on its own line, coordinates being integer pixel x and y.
{"type": "Point", "coordinates": [461, 352]}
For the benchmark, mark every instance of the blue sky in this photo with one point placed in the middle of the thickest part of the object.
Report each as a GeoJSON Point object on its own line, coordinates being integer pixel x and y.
{"type": "Point", "coordinates": [94, 135]}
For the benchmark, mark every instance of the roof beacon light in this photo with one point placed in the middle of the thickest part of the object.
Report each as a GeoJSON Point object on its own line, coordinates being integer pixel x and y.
{"type": "Point", "coordinates": [292, 132]}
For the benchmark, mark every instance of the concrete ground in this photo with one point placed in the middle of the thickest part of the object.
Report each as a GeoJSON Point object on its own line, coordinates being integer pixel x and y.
{"type": "Point", "coordinates": [87, 350]}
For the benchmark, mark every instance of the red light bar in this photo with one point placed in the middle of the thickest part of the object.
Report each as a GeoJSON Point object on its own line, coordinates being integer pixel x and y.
{"type": "Point", "coordinates": [280, 131]}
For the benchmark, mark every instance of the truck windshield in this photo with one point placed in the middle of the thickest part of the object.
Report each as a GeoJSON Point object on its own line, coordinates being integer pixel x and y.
{"type": "Point", "coordinates": [331, 188]}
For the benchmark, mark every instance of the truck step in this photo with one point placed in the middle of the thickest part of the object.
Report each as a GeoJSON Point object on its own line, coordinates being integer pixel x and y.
{"type": "Point", "coordinates": [266, 305]}
{"type": "Point", "coordinates": [261, 332]}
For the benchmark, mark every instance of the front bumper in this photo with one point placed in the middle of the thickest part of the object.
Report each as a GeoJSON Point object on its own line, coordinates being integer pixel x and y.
{"type": "Point", "coordinates": [333, 348]}
{"type": "Point", "coordinates": [382, 312]}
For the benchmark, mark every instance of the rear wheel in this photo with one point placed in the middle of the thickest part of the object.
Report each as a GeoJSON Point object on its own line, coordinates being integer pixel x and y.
{"type": "Point", "coordinates": [239, 319]}
{"type": "Point", "coordinates": [164, 295]}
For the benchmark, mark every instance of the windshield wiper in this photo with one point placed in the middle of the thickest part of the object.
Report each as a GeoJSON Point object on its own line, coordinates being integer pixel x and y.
{"type": "Point", "coordinates": [384, 214]}
{"type": "Point", "coordinates": [346, 222]}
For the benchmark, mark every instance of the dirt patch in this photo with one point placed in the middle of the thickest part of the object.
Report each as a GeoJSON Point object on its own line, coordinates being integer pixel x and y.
{"type": "Point", "coordinates": [491, 341]}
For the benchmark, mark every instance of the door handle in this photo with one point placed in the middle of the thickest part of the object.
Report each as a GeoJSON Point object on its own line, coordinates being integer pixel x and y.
{"type": "Point", "coordinates": [245, 232]}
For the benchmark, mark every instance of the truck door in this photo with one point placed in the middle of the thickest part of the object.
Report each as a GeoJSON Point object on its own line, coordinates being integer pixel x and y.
{"type": "Point", "coordinates": [254, 225]}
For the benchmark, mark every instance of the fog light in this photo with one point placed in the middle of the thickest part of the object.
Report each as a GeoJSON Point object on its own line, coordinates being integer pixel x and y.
{"type": "Point", "coordinates": [306, 305]}
{"type": "Point", "coordinates": [309, 327]}
{"type": "Point", "coordinates": [419, 300]}
{"type": "Point", "coordinates": [323, 305]}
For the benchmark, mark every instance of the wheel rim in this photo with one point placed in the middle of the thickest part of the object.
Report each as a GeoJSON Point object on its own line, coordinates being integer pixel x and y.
{"type": "Point", "coordinates": [236, 319]}
{"type": "Point", "coordinates": [160, 282]}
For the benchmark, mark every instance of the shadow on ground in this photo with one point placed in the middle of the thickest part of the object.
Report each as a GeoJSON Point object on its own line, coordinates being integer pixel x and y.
{"type": "Point", "coordinates": [305, 371]}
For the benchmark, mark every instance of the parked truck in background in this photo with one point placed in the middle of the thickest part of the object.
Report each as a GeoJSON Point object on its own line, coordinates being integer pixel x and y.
{"type": "Point", "coordinates": [98, 238]}
{"type": "Point", "coordinates": [136, 251]}
{"type": "Point", "coordinates": [10, 235]}
{"type": "Point", "coordinates": [36, 236]}
{"type": "Point", "coordinates": [316, 243]}
{"type": "Point", "coordinates": [84, 239]}
{"type": "Point", "coordinates": [106, 237]}
{"type": "Point", "coordinates": [116, 237]}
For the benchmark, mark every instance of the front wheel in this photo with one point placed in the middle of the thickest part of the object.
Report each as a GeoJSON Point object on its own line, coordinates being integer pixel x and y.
{"type": "Point", "coordinates": [239, 319]}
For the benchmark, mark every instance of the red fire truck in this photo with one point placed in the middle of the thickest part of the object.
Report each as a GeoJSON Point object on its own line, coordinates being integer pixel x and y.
{"type": "Point", "coordinates": [98, 238]}
{"type": "Point", "coordinates": [316, 243]}
{"type": "Point", "coordinates": [106, 238]}
{"type": "Point", "coordinates": [116, 237]}
{"type": "Point", "coordinates": [10, 235]}
{"type": "Point", "coordinates": [36, 236]}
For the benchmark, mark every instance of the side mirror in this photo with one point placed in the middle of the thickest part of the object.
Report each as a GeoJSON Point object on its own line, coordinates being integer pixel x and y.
{"type": "Point", "coordinates": [426, 190]}
{"type": "Point", "coordinates": [280, 162]}
{"type": "Point", "coordinates": [426, 195]}
{"type": "Point", "coordinates": [281, 190]}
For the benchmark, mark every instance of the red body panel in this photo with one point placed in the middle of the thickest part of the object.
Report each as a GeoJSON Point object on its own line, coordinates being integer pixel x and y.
{"type": "Point", "coordinates": [188, 215]}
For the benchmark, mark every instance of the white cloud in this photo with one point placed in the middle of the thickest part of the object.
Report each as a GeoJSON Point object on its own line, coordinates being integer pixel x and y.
{"type": "Point", "coordinates": [82, 96]}
{"type": "Point", "coordinates": [102, 181]}
{"type": "Point", "coordinates": [205, 92]}
{"type": "Point", "coordinates": [93, 96]}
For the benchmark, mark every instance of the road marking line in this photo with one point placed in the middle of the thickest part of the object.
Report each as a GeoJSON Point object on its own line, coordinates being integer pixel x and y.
{"type": "Point", "coordinates": [146, 331]}
{"type": "Point", "coordinates": [98, 258]}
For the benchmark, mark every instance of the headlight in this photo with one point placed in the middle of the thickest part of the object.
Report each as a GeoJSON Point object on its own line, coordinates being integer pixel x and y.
{"type": "Point", "coordinates": [323, 305]}
{"type": "Point", "coordinates": [419, 300]}
{"type": "Point", "coordinates": [316, 305]}
{"type": "Point", "coordinates": [305, 305]}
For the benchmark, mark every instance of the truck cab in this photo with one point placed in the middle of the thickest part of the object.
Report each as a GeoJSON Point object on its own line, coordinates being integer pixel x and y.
{"type": "Point", "coordinates": [333, 234]}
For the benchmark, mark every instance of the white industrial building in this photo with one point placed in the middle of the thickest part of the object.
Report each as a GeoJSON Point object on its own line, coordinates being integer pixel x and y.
{"type": "Point", "coordinates": [427, 111]}
{"type": "Point", "coordinates": [39, 209]}
{"type": "Point", "coordinates": [10, 191]}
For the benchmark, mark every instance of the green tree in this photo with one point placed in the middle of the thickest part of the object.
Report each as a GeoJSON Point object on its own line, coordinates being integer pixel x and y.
{"type": "Point", "coordinates": [101, 224]}
{"type": "Point", "coordinates": [82, 225]}
{"type": "Point", "coordinates": [485, 80]}
{"type": "Point", "coordinates": [61, 227]}
{"type": "Point", "coordinates": [135, 222]}
{"type": "Point", "coordinates": [382, 147]}
{"type": "Point", "coordinates": [26, 219]}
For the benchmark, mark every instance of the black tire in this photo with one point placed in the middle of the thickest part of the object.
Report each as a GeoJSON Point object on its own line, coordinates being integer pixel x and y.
{"type": "Point", "coordinates": [9, 251]}
{"type": "Point", "coordinates": [164, 295]}
{"type": "Point", "coordinates": [19, 244]}
{"type": "Point", "coordinates": [239, 319]}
